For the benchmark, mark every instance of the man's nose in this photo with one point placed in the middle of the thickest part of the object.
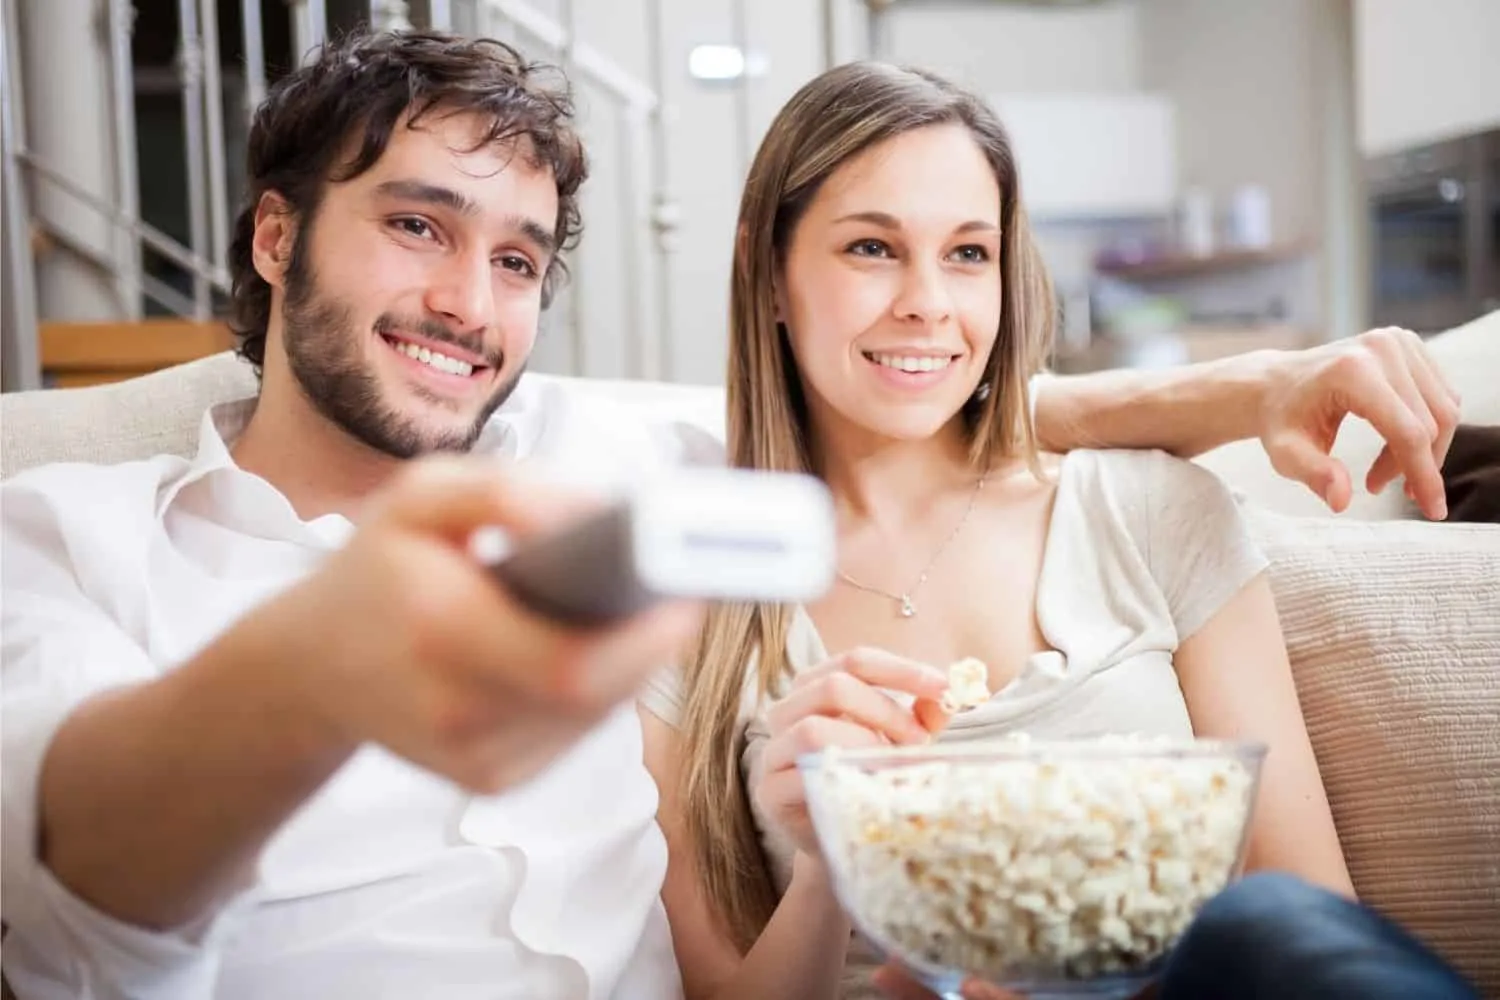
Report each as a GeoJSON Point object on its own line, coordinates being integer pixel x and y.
{"type": "Point", "coordinates": [464, 292]}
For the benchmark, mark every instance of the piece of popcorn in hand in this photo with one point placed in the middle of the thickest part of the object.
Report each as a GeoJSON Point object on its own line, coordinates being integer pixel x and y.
{"type": "Point", "coordinates": [968, 686]}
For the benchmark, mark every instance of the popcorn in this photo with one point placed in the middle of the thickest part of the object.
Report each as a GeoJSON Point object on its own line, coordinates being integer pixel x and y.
{"type": "Point", "coordinates": [968, 686]}
{"type": "Point", "coordinates": [1038, 866]}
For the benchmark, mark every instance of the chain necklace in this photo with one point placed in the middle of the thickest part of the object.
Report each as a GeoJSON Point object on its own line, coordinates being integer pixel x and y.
{"type": "Point", "coordinates": [907, 601]}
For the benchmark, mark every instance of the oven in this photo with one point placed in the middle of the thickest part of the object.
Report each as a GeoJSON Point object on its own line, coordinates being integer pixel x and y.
{"type": "Point", "coordinates": [1435, 233]}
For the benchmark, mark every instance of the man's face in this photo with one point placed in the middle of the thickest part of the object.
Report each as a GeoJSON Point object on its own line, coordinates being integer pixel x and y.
{"type": "Point", "coordinates": [412, 296]}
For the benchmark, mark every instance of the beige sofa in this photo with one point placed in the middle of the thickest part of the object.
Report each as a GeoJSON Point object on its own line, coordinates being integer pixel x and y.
{"type": "Point", "coordinates": [1393, 627]}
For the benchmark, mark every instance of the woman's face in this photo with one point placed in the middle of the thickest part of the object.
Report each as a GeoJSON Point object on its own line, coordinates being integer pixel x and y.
{"type": "Point", "coordinates": [890, 289]}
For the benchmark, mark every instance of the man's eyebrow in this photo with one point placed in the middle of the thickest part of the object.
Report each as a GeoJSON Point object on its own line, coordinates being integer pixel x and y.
{"type": "Point", "coordinates": [534, 231]}
{"type": "Point", "coordinates": [431, 194]}
{"type": "Point", "coordinates": [436, 194]}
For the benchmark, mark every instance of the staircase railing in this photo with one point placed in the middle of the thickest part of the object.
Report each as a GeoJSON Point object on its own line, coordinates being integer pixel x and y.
{"type": "Point", "coordinates": [641, 173]}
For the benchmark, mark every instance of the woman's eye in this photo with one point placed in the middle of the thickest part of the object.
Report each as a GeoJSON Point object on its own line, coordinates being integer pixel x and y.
{"type": "Point", "coordinates": [972, 254]}
{"type": "Point", "coordinates": [520, 265]}
{"type": "Point", "coordinates": [869, 248]}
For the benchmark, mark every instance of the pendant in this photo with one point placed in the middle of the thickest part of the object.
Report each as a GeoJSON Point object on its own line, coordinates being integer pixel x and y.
{"type": "Point", "coordinates": [908, 609]}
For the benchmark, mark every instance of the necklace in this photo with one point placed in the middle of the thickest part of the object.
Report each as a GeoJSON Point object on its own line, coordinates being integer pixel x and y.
{"type": "Point", "coordinates": [906, 601]}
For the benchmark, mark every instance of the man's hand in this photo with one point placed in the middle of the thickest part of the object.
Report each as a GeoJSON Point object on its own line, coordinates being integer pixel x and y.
{"type": "Point", "coordinates": [403, 639]}
{"type": "Point", "coordinates": [1383, 376]}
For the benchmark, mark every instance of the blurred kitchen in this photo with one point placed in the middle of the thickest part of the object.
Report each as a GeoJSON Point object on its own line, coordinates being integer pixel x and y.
{"type": "Point", "coordinates": [1205, 177]}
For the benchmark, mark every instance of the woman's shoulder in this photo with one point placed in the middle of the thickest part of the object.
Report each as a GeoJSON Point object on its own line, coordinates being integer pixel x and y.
{"type": "Point", "coordinates": [1151, 476]}
{"type": "Point", "coordinates": [1161, 503]}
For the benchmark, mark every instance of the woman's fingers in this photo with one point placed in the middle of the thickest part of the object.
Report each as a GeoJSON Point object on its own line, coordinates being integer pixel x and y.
{"type": "Point", "coordinates": [880, 669]}
{"type": "Point", "coordinates": [811, 734]}
{"type": "Point", "coordinates": [840, 695]}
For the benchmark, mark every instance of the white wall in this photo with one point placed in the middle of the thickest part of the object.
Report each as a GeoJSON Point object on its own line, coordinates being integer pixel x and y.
{"type": "Point", "coordinates": [1243, 78]}
{"type": "Point", "coordinates": [997, 49]}
{"type": "Point", "coordinates": [1262, 92]}
{"type": "Point", "coordinates": [1427, 70]}
{"type": "Point", "coordinates": [709, 143]}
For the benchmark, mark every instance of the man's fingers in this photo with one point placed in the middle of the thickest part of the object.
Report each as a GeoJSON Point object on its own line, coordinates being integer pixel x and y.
{"type": "Point", "coordinates": [1442, 402]}
{"type": "Point", "coordinates": [616, 663]}
{"type": "Point", "coordinates": [1383, 471]}
{"type": "Point", "coordinates": [1404, 366]}
{"type": "Point", "coordinates": [1407, 436]}
{"type": "Point", "coordinates": [505, 648]}
{"type": "Point", "coordinates": [1295, 456]}
{"type": "Point", "coordinates": [588, 672]}
{"type": "Point", "coordinates": [452, 496]}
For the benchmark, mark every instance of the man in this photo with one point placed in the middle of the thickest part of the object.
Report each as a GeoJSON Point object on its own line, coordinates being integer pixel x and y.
{"type": "Point", "coordinates": [268, 730]}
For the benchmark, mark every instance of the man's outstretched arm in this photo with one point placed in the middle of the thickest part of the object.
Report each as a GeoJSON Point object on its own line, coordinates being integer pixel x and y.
{"type": "Point", "coordinates": [1293, 401]}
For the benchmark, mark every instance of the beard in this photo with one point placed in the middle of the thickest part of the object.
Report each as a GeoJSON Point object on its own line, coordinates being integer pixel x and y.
{"type": "Point", "coordinates": [324, 354]}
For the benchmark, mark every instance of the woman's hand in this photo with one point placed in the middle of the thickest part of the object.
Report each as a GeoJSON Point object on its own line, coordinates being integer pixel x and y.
{"type": "Point", "coordinates": [845, 701]}
{"type": "Point", "coordinates": [894, 982]}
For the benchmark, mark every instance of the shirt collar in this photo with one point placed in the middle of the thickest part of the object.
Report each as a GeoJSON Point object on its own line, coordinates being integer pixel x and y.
{"type": "Point", "coordinates": [220, 426]}
{"type": "Point", "coordinates": [512, 432]}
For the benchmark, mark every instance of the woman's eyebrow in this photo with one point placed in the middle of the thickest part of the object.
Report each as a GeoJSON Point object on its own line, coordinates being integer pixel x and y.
{"type": "Point", "coordinates": [885, 220]}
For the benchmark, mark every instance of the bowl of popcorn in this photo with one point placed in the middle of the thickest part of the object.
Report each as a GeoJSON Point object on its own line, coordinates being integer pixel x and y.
{"type": "Point", "coordinates": [1052, 868]}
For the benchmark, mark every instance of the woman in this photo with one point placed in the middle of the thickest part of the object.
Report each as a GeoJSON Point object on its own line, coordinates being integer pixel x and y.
{"type": "Point", "coordinates": [888, 307]}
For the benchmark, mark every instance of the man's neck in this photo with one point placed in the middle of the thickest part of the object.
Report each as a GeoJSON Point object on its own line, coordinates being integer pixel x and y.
{"type": "Point", "coordinates": [315, 464]}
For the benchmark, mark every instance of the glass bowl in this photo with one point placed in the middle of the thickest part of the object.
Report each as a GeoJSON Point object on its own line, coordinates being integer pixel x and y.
{"type": "Point", "coordinates": [1052, 868]}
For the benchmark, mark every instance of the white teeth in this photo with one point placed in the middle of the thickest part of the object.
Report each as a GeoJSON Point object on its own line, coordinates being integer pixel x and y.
{"type": "Point", "coordinates": [441, 362]}
{"type": "Point", "coordinates": [904, 363]}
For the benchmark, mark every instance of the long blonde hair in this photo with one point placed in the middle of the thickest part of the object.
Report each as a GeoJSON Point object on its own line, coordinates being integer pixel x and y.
{"type": "Point", "coordinates": [832, 119]}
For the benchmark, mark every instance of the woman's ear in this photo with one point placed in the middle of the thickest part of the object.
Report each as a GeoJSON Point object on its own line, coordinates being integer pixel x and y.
{"type": "Point", "coordinates": [275, 236]}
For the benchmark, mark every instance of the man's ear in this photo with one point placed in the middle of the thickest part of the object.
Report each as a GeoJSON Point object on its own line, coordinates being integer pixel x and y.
{"type": "Point", "coordinates": [275, 235]}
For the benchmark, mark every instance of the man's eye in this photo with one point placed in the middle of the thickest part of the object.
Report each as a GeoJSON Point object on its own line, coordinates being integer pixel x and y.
{"type": "Point", "coordinates": [520, 265]}
{"type": "Point", "coordinates": [869, 248]}
{"type": "Point", "coordinates": [414, 227]}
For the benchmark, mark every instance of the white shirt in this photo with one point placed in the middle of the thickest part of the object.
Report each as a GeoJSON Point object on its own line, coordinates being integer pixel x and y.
{"type": "Point", "coordinates": [390, 882]}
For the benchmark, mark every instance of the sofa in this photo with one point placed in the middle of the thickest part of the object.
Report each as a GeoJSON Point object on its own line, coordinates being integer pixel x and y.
{"type": "Point", "coordinates": [1393, 624]}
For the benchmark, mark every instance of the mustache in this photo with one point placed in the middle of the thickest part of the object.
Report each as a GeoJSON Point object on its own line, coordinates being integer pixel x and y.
{"type": "Point", "coordinates": [391, 325]}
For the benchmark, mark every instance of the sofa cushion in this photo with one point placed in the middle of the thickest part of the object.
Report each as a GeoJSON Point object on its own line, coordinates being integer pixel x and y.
{"type": "Point", "coordinates": [160, 414]}
{"type": "Point", "coordinates": [1394, 635]}
{"type": "Point", "coordinates": [153, 414]}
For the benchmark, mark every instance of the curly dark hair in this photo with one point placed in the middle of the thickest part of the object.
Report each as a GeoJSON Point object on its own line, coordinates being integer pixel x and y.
{"type": "Point", "coordinates": [358, 88]}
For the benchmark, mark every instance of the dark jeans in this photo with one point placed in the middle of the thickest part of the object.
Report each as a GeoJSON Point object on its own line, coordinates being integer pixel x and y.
{"type": "Point", "coordinates": [1274, 936]}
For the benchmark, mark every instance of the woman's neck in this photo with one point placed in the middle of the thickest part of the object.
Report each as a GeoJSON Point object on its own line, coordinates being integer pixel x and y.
{"type": "Point", "coordinates": [890, 482]}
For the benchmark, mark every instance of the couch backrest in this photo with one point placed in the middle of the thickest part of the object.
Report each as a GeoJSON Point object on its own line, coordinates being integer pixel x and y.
{"type": "Point", "coordinates": [160, 413]}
